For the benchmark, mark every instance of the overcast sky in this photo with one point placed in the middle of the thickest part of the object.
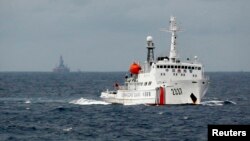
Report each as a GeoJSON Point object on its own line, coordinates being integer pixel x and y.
{"type": "Point", "coordinates": [108, 35]}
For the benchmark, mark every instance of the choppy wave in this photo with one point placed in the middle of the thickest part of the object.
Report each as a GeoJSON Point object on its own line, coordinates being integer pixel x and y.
{"type": "Point", "coordinates": [33, 100]}
{"type": "Point", "coordinates": [50, 116]}
{"type": "Point", "coordinates": [83, 101]}
{"type": "Point", "coordinates": [67, 129]}
{"type": "Point", "coordinates": [27, 101]}
{"type": "Point", "coordinates": [217, 103]}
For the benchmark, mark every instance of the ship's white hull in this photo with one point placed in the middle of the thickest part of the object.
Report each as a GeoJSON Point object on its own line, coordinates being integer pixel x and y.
{"type": "Point", "coordinates": [178, 92]}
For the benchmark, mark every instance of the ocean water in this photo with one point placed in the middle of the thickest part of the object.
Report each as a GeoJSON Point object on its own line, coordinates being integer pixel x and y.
{"type": "Point", "coordinates": [67, 107]}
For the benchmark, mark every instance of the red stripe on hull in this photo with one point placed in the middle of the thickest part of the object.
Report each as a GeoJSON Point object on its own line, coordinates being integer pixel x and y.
{"type": "Point", "coordinates": [162, 96]}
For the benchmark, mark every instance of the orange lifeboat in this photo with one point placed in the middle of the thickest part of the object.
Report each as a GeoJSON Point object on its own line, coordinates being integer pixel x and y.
{"type": "Point", "coordinates": [135, 68]}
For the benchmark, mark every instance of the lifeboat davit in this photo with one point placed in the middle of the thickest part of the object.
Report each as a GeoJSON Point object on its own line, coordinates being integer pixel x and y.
{"type": "Point", "coordinates": [135, 68]}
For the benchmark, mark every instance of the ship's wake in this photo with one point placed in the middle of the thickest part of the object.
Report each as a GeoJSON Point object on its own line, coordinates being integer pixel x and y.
{"type": "Point", "coordinates": [84, 101]}
{"type": "Point", "coordinates": [217, 103]}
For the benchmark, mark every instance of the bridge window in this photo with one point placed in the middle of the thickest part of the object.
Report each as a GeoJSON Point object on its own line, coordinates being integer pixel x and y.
{"type": "Point", "coordinates": [189, 67]}
{"type": "Point", "coordinates": [158, 66]}
{"type": "Point", "coordinates": [199, 68]}
{"type": "Point", "coordinates": [186, 67]}
{"type": "Point", "coordinates": [175, 67]}
{"type": "Point", "coordinates": [182, 67]}
{"type": "Point", "coordinates": [179, 67]}
{"type": "Point", "coordinates": [164, 66]}
{"type": "Point", "coordinates": [168, 66]}
{"type": "Point", "coordinates": [172, 66]}
{"type": "Point", "coordinates": [149, 83]}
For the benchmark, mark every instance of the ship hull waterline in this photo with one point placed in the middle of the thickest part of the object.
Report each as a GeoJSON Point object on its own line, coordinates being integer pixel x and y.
{"type": "Point", "coordinates": [177, 93]}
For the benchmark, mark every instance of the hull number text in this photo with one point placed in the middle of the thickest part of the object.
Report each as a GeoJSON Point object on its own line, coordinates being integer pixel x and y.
{"type": "Point", "coordinates": [176, 91]}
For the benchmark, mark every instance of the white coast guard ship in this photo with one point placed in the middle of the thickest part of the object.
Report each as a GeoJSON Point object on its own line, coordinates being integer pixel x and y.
{"type": "Point", "coordinates": [166, 80]}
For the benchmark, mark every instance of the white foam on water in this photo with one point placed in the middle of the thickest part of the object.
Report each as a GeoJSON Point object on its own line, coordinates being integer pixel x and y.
{"type": "Point", "coordinates": [212, 103]}
{"type": "Point", "coordinates": [83, 101]}
{"type": "Point", "coordinates": [27, 101]}
{"type": "Point", "coordinates": [67, 129]}
{"type": "Point", "coordinates": [232, 102]}
{"type": "Point", "coordinates": [160, 113]}
{"type": "Point", "coordinates": [217, 103]}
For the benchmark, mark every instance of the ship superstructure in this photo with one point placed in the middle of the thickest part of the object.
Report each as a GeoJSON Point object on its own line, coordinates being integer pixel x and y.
{"type": "Point", "coordinates": [164, 80]}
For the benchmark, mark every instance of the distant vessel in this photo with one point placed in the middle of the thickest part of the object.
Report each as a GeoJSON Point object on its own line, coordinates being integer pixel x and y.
{"type": "Point", "coordinates": [166, 80]}
{"type": "Point", "coordinates": [61, 68]}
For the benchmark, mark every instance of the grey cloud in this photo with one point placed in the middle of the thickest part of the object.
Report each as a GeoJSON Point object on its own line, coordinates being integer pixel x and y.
{"type": "Point", "coordinates": [108, 35]}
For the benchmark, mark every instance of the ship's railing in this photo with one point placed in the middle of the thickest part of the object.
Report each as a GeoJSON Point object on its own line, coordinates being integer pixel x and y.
{"type": "Point", "coordinates": [206, 77]}
{"type": "Point", "coordinates": [123, 87]}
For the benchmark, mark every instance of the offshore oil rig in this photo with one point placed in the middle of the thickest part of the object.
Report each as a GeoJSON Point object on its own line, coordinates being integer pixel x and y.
{"type": "Point", "coordinates": [61, 68]}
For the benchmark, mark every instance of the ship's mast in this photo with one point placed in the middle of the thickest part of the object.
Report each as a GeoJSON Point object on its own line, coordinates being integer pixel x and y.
{"type": "Point", "coordinates": [150, 47]}
{"type": "Point", "coordinates": [173, 29]}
